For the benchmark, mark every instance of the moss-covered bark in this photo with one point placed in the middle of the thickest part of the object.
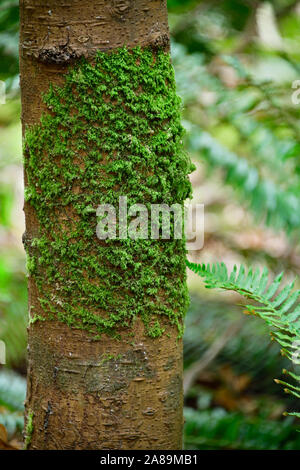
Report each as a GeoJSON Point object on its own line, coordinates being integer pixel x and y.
{"type": "Point", "coordinates": [112, 130]}
{"type": "Point", "coordinates": [101, 120]}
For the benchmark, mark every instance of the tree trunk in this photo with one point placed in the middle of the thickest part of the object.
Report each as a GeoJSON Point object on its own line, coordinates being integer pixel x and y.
{"type": "Point", "coordinates": [101, 121]}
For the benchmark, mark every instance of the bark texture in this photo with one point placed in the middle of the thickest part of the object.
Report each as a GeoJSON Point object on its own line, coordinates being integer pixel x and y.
{"type": "Point", "coordinates": [85, 393]}
{"type": "Point", "coordinates": [81, 399]}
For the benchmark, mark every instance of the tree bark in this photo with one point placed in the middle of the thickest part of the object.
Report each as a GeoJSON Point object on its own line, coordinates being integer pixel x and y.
{"type": "Point", "coordinates": [112, 391]}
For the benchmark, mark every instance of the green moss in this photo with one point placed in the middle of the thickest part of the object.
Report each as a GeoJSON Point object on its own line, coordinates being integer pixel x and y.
{"type": "Point", "coordinates": [30, 264]}
{"type": "Point", "coordinates": [113, 129]}
{"type": "Point", "coordinates": [29, 429]}
{"type": "Point", "coordinates": [156, 330]}
{"type": "Point", "coordinates": [110, 357]}
{"type": "Point", "coordinates": [34, 318]}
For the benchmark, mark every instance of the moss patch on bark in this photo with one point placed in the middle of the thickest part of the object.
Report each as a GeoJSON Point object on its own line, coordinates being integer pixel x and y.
{"type": "Point", "coordinates": [113, 129]}
{"type": "Point", "coordinates": [28, 430]}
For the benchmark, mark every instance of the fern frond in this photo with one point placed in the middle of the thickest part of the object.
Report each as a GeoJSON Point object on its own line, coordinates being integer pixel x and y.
{"type": "Point", "coordinates": [275, 305]}
{"type": "Point", "coordinates": [277, 206]}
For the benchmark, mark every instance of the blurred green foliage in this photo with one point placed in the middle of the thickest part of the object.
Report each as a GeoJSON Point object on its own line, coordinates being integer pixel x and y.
{"type": "Point", "coordinates": [13, 299]}
{"type": "Point", "coordinates": [235, 63]}
{"type": "Point", "coordinates": [12, 396]}
{"type": "Point", "coordinates": [217, 429]}
{"type": "Point", "coordinates": [9, 38]}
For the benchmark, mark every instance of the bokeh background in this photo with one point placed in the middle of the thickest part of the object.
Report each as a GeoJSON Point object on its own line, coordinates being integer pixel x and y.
{"type": "Point", "coordinates": [236, 62]}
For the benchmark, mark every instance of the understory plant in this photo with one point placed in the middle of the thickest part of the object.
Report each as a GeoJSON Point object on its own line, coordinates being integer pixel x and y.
{"type": "Point", "coordinates": [277, 307]}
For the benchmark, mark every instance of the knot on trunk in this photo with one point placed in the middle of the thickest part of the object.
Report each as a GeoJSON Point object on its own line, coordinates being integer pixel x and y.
{"type": "Point", "coordinates": [119, 8]}
{"type": "Point", "coordinates": [58, 55]}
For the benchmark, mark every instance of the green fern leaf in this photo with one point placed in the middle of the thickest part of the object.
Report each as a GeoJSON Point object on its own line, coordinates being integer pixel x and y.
{"type": "Point", "coordinates": [272, 304]}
